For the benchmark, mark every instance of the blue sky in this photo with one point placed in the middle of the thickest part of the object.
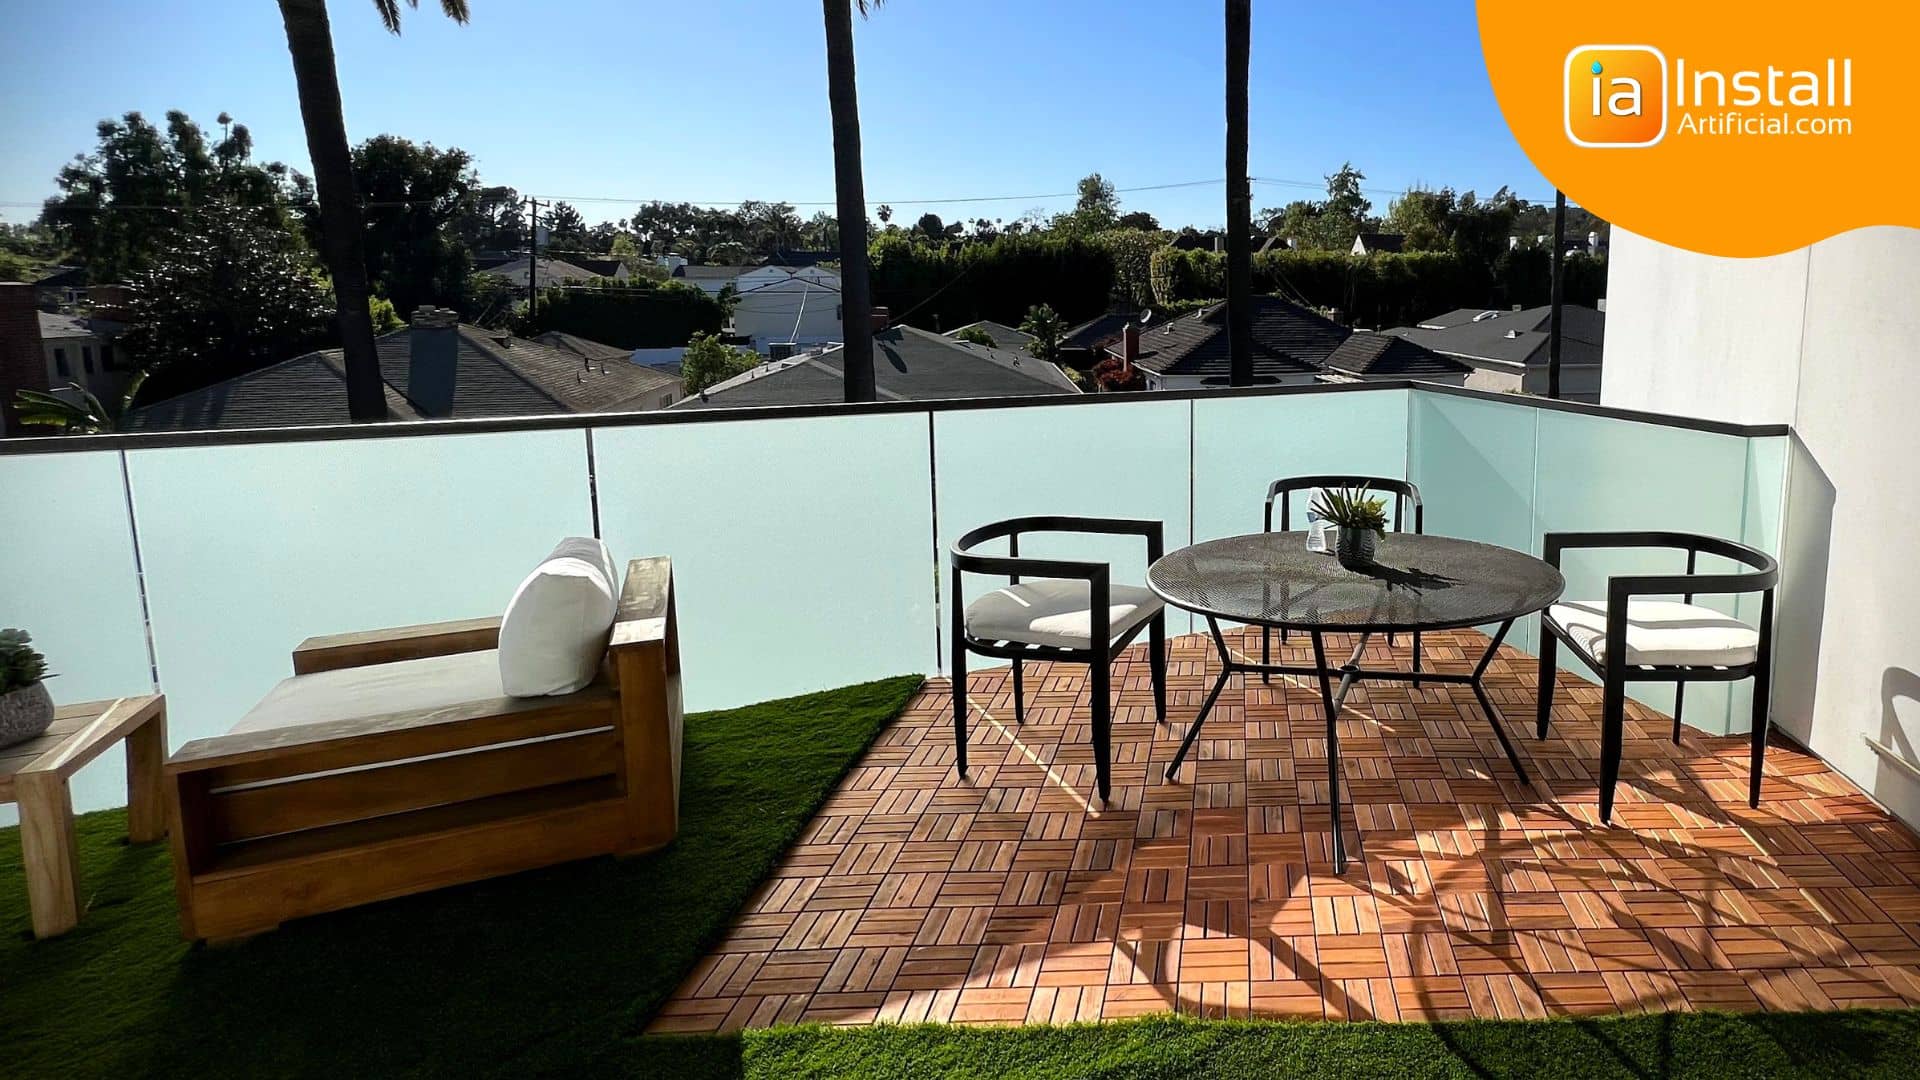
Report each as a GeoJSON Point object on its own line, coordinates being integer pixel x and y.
{"type": "Point", "coordinates": [723, 100]}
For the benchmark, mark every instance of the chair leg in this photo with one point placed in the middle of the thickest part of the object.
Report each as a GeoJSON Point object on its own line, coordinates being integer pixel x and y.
{"type": "Point", "coordinates": [1157, 664]}
{"type": "Point", "coordinates": [1019, 693]}
{"type": "Point", "coordinates": [1679, 697]}
{"type": "Point", "coordinates": [1416, 659]}
{"type": "Point", "coordinates": [1099, 676]}
{"type": "Point", "coordinates": [1266, 652]}
{"type": "Point", "coordinates": [960, 706]}
{"type": "Point", "coordinates": [1613, 718]}
{"type": "Point", "coordinates": [1762, 720]}
{"type": "Point", "coordinates": [1549, 669]}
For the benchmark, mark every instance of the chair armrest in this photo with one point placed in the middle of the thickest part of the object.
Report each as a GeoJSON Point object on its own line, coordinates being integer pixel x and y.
{"type": "Point", "coordinates": [646, 612]}
{"type": "Point", "coordinates": [333, 651]}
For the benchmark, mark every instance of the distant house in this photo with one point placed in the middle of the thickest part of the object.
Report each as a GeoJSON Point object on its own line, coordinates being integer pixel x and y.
{"type": "Point", "coordinates": [82, 350]}
{"type": "Point", "coordinates": [1004, 336]}
{"type": "Point", "coordinates": [712, 279]}
{"type": "Point", "coordinates": [1374, 243]}
{"type": "Point", "coordinates": [434, 369]}
{"type": "Point", "coordinates": [1086, 345]}
{"type": "Point", "coordinates": [555, 272]}
{"type": "Point", "coordinates": [908, 365]}
{"type": "Point", "coordinates": [785, 308]}
{"type": "Point", "coordinates": [61, 286]}
{"type": "Point", "coordinates": [1507, 350]}
{"type": "Point", "coordinates": [1292, 346]}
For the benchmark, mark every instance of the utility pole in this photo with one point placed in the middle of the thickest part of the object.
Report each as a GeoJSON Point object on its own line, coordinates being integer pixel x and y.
{"type": "Point", "coordinates": [1557, 294]}
{"type": "Point", "coordinates": [533, 254]}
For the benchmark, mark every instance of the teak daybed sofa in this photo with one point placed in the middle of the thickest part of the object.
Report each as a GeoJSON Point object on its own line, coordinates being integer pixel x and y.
{"type": "Point", "coordinates": [394, 762]}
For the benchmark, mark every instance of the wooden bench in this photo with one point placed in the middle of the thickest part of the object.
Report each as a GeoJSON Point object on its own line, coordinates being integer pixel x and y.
{"type": "Point", "coordinates": [378, 770]}
{"type": "Point", "coordinates": [36, 775]}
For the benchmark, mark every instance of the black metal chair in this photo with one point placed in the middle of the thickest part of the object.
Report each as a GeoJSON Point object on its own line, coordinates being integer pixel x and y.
{"type": "Point", "coordinates": [1072, 613]}
{"type": "Point", "coordinates": [1624, 639]}
{"type": "Point", "coordinates": [1404, 492]}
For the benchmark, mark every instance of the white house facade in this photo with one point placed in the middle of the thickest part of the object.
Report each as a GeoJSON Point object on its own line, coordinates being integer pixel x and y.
{"type": "Point", "coordinates": [781, 305]}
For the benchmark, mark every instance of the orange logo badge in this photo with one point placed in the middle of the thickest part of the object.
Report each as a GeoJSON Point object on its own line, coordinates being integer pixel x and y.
{"type": "Point", "coordinates": [1616, 95]}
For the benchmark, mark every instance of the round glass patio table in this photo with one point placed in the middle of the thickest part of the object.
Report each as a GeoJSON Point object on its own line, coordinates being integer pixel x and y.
{"type": "Point", "coordinates": [1416, 582]}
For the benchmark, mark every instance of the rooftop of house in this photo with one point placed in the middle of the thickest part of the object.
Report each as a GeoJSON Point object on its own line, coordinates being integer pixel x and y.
{"type": "Point", "coordinates": [54, 326]}
{"type": "Point", "coordinates": [579, 346]}
{"type": "Point", "coordinates": [1377, 241]}
{"type": "Point", "coordinates": [551, 271]}
{"type": "Point", "coordinates": [709, 273]}
{"type": "Point", "coordinates": [1004, 336]}
{"type": "Point", "coordinates": [909, 364]}
{"type": "Point", "coordinates": [1482, 337]}
{"type": "Point", "coordinates": [1287, 340]}
{"type": "Point", "coordinates": [62, 277]}
{"type": "Point", "coordinates": [497, 375]}
{"type": "Point", "coordinates": [1097, 332]}
{"type": "Point", "coordinates": [1384, 356]}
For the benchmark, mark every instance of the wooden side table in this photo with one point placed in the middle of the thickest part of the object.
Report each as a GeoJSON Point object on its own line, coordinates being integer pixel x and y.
{"type": "Point", "coordinates": [36, 774]}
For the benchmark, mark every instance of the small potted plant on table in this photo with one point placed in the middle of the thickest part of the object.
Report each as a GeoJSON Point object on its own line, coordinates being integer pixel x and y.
{"type": "Point", "coordinates": [26, 709]}
{"type": "Point", "coordinates": [1360, 519]}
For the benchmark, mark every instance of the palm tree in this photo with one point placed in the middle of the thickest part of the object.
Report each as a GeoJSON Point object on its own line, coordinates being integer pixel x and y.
{"type": "Point", "coordinates": [1239, 199]}
{"type": "Point", "coordinates": [80, 412]}
{"type": "Point", "coordinates": [342, 239]}
{"type": "Point", "coordinates": [850, 195]}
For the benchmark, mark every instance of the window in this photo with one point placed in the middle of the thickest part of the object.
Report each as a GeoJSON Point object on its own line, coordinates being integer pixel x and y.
{"type": "Point", "coordinates": [60, 363]}
{"type": "Point", "coordinates": [106, 358]}
{"type": "Point", "coordinates": [666, 400]}
{"type": "Point", "coordinates": [86, 358]}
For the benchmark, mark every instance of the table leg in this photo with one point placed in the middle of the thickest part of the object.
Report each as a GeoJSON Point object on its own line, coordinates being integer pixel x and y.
{"type": "Point", "coordinates": [1493, 714]}
{"type": "Point", "coordinates": [146, 755]}
{"type": "Point", "coordinates": [1332, 700]}
{"type": "Point", "coordinates": [47, 849]}
{"type": "Point", "coordinates": [1219, 684]}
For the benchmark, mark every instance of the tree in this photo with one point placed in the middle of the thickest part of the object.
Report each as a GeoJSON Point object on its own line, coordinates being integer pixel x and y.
{"type": "Point", "coordinates": [116, 203]}
{"type": "Point", "coordinates": [977, 335]}
{"type": "Point", "coordinates": [1096, 210]}
{"type": "Point", "coordinates": [566, 229]}
{"type": "Point", "coordinates": [1138, 219]}
{"type": "Point", "coordinates": [850, 199]}
{"type": "Point", "coordinates": [708, 361]}
{"type": "Point", "coordinates": [415, 196]}
{"type": "Point", "coordinates": [232, 292]}
{"type": "Point", "coordinates": [1044, 324]}
{"type": "Point", "coordinates": [1239, 198]}
{"type": "Point", "coordinates": [310, 43]}
{"type": "Point", "coordinates": [930, 226]}
{"type": "Point", "coordinates": [1330, 224]}
{"type": "Point", "coordinates": [885, 213]}
{"type": "Point", "coordinates": [79, 412]}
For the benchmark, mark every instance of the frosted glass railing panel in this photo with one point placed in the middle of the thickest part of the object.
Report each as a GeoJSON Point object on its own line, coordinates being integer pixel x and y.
{"type": "Point", "coordinates": [251, 549]}
{"type": "Point", "coordinates": [1240, 445]}
{"type": "Point", "coordinates": [1128, 459]}
{"type": "Point", "coordinates": [67, 577]}
{"type": "Point", "coordinates": [802, 548]}
{"type": "Point", "coordinates": [1601, 474]}
{"type": "Point", "coordinates": [1473, 460]}
{"type": "Point", "coordinates": [1763, 525]}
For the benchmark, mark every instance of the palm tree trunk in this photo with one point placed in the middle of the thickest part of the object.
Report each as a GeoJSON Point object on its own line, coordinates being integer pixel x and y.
{"type": "Point", "coordinates": [342, 239]}
{"type": "Point", "coordinates": [856, 304]}
{"type": "Point", "coordinates": [1239, 198]}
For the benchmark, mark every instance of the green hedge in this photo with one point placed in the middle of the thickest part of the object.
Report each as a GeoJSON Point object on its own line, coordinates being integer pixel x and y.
{"type": "Point", "coordinates": [630, 315]}
{"type": "Point", "coordinates": [951, 284]}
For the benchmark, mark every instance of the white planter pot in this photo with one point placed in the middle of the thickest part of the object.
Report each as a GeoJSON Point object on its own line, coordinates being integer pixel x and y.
{"type": "Point", "coordinates": [24, 713]}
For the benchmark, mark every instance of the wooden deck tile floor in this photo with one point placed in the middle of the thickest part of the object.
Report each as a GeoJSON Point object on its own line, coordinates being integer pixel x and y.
{"type": "Point", "coordinates": [1012, 897]}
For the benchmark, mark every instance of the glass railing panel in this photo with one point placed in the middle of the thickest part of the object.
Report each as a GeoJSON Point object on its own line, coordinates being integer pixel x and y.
{"type": "Point", "coordinates": [250, 549]}
{"type": "Point", "coordinates": [1601, 473]}
{"type": "Point", "coordinates": [1473, 460]}
{"type": "Point", "coordinates": [1127, 459]}
{"type": "Point", "coordinates": [1240, 445]}
{"type": "Point", "coordinates": [802, 547]}
{"type": "Point", "coordinates": [67, 577]}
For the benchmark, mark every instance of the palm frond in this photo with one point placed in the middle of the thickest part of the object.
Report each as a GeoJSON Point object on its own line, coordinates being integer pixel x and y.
{"type": "Point", "coordinates": [868, 7]}
{"type": "Point", "coordinates": [390, 12]}
{"type": "Point", "coordinates": [1350, 508]}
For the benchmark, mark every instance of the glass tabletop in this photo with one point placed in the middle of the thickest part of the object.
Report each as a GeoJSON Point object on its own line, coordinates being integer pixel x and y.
{"type": "Point", "coordinates": [1415, 583]}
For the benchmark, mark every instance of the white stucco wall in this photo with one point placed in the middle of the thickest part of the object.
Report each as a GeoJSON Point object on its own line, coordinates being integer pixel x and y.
{"type": "Point", "coordinates": [1827, 339]}
{"type": "Point", "coordinates": [777, 305]}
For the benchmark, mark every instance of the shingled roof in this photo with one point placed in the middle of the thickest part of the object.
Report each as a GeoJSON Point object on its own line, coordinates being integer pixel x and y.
{"type": "Point", "coordinates": [1287, 340]}
{"type": "Point", "coordinates": [497, 376]}
{"type": "Point", "coordinates": [1384, 356]}
{"type": "Point", "coordinates": [909, 364]}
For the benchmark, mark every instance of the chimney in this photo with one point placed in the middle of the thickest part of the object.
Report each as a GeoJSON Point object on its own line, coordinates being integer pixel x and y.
{"type": "Point", "coordinates": [881, 318]}
{"type": "Point", "coordinates": [1129, 349]}
{"type": "Point", "coordinates": [433, 358]}
{"type": "Point", "coordinates": [23, 358]}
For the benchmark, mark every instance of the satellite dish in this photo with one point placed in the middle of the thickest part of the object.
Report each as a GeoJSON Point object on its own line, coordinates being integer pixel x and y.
{"type": "Point", "coordinates": [1146, 316]}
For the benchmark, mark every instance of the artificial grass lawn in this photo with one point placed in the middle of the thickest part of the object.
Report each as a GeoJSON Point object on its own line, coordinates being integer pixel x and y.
{"type": "Point", "coordinates": [556, 972]}
{"type": "Point", "coordinates": [526, 974]}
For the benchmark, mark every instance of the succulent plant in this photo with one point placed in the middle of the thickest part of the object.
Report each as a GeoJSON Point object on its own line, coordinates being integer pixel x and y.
{"type": "Point", "coordinates": [20, 664]}
{"type": "Point", "coordinates": [1351, 509]}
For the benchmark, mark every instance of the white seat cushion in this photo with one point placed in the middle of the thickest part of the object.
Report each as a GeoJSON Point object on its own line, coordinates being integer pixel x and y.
{"type": "Point", "coordinates": [1662, 633]}
{"type": "Point", "coordinates": [1056, 612]}
{"type": "Point", "coordinates": [555, 631]}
